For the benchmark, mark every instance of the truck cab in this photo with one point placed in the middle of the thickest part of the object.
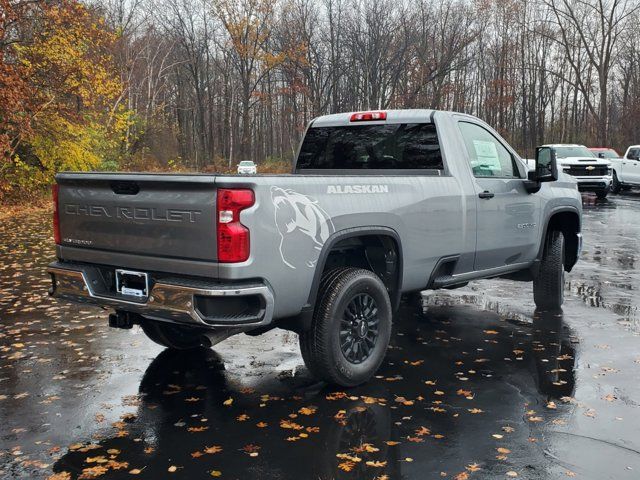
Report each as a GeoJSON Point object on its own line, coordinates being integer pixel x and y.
{"type": "Point", "coordinates": [592, 174]}
{"type": "Point", "coordinates": [626, 170]}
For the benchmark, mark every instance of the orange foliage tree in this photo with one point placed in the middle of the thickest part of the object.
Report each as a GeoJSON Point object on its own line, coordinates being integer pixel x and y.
{"type": "Point", "coordinates": [59, 91]}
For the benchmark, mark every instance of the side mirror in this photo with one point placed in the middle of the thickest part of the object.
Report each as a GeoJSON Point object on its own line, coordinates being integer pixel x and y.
{"type": "Point", "coordinates": [546, 166]}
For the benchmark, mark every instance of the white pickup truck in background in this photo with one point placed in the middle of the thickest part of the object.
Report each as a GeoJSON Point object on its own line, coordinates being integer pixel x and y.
{"type": "Point", "coordinates": [593, 174]}
{"type": "Point", "coordinates": [626, 170]}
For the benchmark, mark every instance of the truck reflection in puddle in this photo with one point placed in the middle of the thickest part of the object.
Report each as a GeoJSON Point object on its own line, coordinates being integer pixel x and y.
{"type": "Point", "coordinates": [457, 386]}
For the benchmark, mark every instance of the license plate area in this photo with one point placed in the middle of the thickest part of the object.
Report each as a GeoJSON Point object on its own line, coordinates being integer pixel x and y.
{"type": "Point", "coordinates": [135, 284]}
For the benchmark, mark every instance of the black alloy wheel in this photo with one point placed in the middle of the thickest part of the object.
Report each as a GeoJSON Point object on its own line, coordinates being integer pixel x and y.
{"type": "Point", "coordinates": [359, 328]}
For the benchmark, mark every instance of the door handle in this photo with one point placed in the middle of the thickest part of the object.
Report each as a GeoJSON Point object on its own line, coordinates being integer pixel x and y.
{"type": "Point", "coordinates": [486, 194]}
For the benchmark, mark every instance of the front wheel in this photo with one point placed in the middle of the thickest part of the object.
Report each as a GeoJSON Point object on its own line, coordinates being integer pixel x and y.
{"type": "Point", "coordinates": [548, 286]}
{"type": "Point", "coordinates": [351, 328]}
{"type": "Point", "coordinates": [615, 184]}
{"type": "Point", "coordinates": [173, 336]}
{"type": "Point", "coordinates": [602, 194]}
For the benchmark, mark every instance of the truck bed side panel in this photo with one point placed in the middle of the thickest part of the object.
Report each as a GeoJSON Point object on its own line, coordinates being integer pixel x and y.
{"type": "Point", "coordinates": [296, 215]}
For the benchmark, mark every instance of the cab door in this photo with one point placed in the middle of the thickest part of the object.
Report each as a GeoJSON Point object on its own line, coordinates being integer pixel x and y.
{"type": "Point", "coordinates": [631, 166]}
{"type": "Point", "coordinates": [507, 215]}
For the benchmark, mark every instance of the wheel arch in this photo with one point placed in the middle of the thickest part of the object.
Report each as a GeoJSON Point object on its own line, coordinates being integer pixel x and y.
{"type": "Point", "coordinates": [375, 240]}
{"type": "Point", "coordinates": [566, 220]}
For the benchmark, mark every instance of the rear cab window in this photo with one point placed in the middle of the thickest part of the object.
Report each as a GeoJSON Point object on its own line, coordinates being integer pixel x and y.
{"type": "Point", "coordinates": [606, 153]}
{"type": "Point", "coordinates": [372, 149]}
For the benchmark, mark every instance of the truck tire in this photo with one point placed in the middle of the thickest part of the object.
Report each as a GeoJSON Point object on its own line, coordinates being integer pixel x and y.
{"type": "Point", "coordinates": [602, 194]}
{"type": "Point", "coordinates": [615, 184]}
{"type": "Point", "coordinates": [548, 286]}
{"type": "Point", "coordinates": [305, 346]}
{"type": "Point", "coordinates": [351, 327]}
{"type": "Point", "coordinates": [172, 336]}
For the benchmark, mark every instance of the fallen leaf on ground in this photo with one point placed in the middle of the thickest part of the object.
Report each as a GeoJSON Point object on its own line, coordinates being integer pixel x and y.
{"type": "Point", "coordinates": [197, 429]}
{"type": "Point", "coordinates": [60, 476]}
{"type": "Point", "coordinates": [346, 466]}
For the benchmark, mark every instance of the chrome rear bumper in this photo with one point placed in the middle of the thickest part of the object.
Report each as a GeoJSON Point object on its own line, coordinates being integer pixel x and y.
{"type": "Point", "coordinates": [174, 300]}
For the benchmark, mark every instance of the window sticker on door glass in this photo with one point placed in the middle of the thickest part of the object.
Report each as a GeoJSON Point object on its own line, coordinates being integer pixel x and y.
{"type": "Point", "coordinates": [486, 156]}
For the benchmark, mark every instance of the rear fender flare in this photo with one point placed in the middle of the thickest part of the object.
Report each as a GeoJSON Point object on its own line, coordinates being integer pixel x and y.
{"type": "Point", "coordinates": [350, 233]}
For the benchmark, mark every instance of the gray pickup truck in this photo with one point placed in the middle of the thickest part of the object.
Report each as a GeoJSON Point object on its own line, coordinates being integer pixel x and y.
{"type": "Point", "coordinates": [379, 204]}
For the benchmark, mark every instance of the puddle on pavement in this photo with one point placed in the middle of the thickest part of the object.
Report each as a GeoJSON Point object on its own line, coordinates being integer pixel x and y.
{"type": "Point", "coordinates": [461, 391]}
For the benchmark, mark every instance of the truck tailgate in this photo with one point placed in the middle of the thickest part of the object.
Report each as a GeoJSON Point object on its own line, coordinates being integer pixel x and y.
{"type": "Point", "coordinates": [153, 215]}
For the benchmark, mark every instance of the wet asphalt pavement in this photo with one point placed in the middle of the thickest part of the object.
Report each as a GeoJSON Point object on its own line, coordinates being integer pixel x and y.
{"type": "Point", "coordinates": [475, 386]}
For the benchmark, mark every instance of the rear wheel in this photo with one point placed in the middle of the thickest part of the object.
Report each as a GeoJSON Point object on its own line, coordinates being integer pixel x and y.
{"type": "Point", "coordinates": [173, 336]}
{"type": "Point", "coordinates": [351, 327]}
{"type": "Point", "coordinates": [615, 184]}
{"type": "Point", "coordinates": [548, 286]}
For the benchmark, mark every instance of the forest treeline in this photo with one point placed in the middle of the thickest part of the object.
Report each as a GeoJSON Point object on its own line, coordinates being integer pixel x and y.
{"type": "Point", "coordinates": [203, 84]}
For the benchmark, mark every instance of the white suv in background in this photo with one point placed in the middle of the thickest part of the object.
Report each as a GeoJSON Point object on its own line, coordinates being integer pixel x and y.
{"type": "Point", "coordinates": [593, 174]}
{"type": "Point", "coordinates": [247, 167]}
{"type": "Point", "coordinates": [626, 170]}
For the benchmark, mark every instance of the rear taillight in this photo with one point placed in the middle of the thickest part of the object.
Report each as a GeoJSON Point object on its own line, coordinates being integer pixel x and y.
{"type": "Point", "coordinates": [56, 214]}
{"type": "Point", "coordinates": [233, 237]}
{"type": "Point", "coordinates": [368, 116]}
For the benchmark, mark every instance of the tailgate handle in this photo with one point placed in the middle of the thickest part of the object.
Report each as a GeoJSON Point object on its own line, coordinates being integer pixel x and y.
{"type": "Point", "coordinates": [122, 187]}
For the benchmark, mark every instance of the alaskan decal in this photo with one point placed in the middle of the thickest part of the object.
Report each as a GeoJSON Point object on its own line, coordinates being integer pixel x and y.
{"type": "Point", "coordinates": [335, 189]}
{"type": "Point", "coordinates": [298, 218]}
